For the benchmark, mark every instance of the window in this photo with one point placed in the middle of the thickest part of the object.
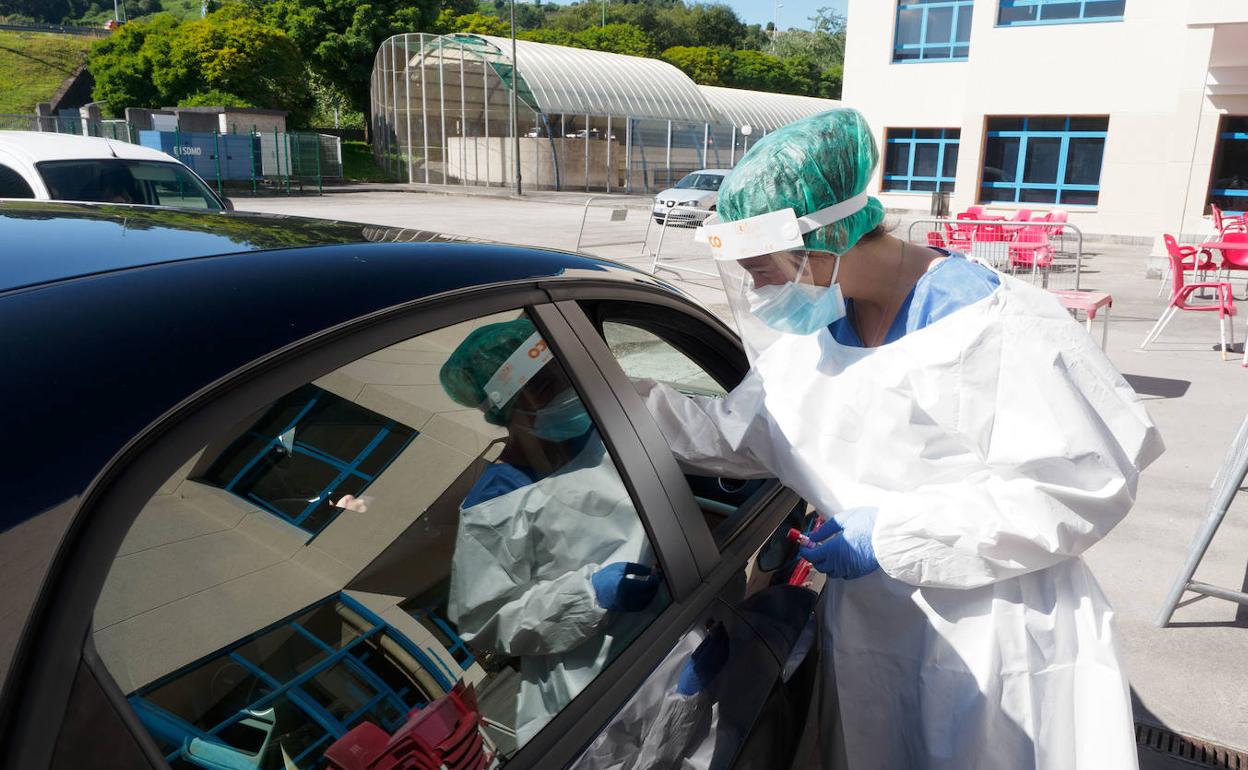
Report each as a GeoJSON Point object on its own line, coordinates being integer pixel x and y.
{"type": "Point", "coordinates": [921, 159]}
{"type": "Point", "coordinates": [933, 30]}
{"type": "Point", "coordinates": [643, 354]}
{"type": "Point", "coordinates": [12, 185]}
{"type": "Point", "coordinates": [1053, 160]}
{"type": "Point", "coordinates": [126, 181]}
{"type": "Point", "coordinates": [1014, 13]}
{"type": "Point", "coordinates": [1228, 189]}
{"type": "Point", "coordinates": [710, 182]}
{"type": "Point", "coordinates": [305, 453]}
{"type": "Point", "coordinates": [487, 551]}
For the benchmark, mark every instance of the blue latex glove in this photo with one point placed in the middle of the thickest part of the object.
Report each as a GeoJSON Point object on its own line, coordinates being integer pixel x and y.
{"type": "Point", "coordinates": [705, 662]}
{"type": "Point", "coordinates": [625, 586]}
{"type": "Point", "coordinates": [843, 546]}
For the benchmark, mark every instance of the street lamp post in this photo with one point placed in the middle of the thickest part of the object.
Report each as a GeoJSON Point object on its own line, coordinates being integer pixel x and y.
{"type": "Point", "coordinates": [515, 86]}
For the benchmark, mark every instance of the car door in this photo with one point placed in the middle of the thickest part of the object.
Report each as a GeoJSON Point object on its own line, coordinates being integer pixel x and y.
{"type": "Point", "coordinates": [738, 530]}
{"type": "Point", "coordinates": [292, 556]}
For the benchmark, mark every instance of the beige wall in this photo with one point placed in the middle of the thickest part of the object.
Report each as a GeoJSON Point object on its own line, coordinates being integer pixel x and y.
{"type": "Point", "coordinates": [202, 568]}
{"type": "Point", "coordinates": [1147, 73]}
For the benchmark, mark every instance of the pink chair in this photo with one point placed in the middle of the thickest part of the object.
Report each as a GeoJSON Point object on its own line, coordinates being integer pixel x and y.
{"type": "Point", "coordinates": [1224, 224]}
{"type": "Point", "coordinates": [959, 235]}
{"type": "Point", "coordinates": [935, 240]}
{"type": "Point", "coordinates": [1197, 261]}
{"type": "Point", "coordinates": [1030, 249]}
{"type": "Point", "coordinates": [975, 212]}
{"type": "Point", "coordinates": [1181, 294]}
{"type": "Point", "coordinates": [1233, 259]}
{"type": "Point", "coordinates": [1022, 215]}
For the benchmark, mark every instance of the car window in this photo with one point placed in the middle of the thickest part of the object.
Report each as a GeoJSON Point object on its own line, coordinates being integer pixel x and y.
{"type": "Point", "coordinates": [643, 354]}
{"type": "Point", "coordinates": [709, 182]}
{"type": "Point", "coordinates": [12, 185]}
{"type": "Point", "coordinates": [432, 542]}
{"type": "Point", "coordinates": [150, 183]}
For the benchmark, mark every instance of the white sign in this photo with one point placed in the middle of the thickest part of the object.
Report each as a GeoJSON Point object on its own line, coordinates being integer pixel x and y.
{"type": "Point", "coordinates": [188, 149]}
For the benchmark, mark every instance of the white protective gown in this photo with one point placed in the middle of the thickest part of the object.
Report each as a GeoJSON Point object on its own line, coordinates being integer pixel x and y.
{"type": "Point", "coordinates": [997, 444]}
{"type": "Point", "coordinates": [520, 580]}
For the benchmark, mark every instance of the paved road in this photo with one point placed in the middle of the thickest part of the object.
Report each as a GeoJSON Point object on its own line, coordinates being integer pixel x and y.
{"type": "Point", "coordinates": [1192, 677]}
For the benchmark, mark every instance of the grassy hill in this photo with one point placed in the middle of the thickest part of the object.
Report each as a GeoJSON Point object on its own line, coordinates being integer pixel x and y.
{"type": "Point", "coordinates": [33, 64]}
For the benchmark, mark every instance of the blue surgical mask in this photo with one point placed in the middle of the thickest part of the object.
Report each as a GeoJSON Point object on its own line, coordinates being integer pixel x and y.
{"type": "Point", "coordinates": [797, 308]}
{"type": "Point", "coordinates": [563, 419]}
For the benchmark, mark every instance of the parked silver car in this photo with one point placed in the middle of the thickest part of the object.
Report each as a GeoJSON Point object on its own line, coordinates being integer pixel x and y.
{"type": "Point", "coordinates": [691, 200]}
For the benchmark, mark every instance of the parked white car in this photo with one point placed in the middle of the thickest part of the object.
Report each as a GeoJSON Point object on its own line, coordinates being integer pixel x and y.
{"type": "Point", "coordinates": [699, 190]}
{"type": "Point", "coordinates": [67, 167]}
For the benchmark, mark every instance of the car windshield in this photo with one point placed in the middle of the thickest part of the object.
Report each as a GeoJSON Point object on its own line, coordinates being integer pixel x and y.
{"type": "Point", "coordinates": [700, 182]}
{"type": "Point", "coordinates": [113, 180]}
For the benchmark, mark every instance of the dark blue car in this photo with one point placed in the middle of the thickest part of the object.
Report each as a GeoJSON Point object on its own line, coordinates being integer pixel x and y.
{"type": "Point", "coordinates": [254, 518]}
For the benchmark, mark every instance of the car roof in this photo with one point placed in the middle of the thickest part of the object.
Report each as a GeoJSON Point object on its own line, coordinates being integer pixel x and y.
{"type": "Point", "coordinates": [132, 310]}
{"type": "Point", "coordinates": [714, 171]}
{"type": "Point", "coordinates": [36, 146]}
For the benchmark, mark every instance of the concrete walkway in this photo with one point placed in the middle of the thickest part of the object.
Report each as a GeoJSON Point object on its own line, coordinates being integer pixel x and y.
{"type": "Point", "coordinates": [1191, 677]}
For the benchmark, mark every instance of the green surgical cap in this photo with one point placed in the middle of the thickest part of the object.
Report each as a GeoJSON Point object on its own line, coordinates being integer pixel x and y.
{"type": "Point", "coordinates": [477, 358]}
{"type": "Point", "coordinates": [807, 166]}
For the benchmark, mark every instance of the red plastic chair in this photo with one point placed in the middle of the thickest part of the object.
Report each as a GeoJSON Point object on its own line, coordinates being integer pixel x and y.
{"type": "Point", "coordinates": [1181, 294]}
{"type": "Point", "coordinates": [1030, 249]}
{"type": "Point", "coordinates": [1022, 215]}
{"type": "Point", "coordinates": [935, 239]}
{"type": "Point", "coordinates": [1198, 261]}
{"type": "Point", "coordinates": [975, 212]}
{"type": "Point", "coordinates": [444, 735]}
{"type": "Point", "coordinates": [1224, 224]}
{"type": "Point", "coordinates": [960, 236]}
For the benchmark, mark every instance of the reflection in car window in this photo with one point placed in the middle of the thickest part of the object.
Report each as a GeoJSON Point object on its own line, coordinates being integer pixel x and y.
{"type": "Point", "coordinates": [477, 562]}
{"type": "Point", "coordinates": [12, 185]}
{"type": "Point", "coordinates": [709, 182]}
{"type": "Point", "coordinates": [151, 183]}
{"type": "Point", "coordinates": [644, 355]}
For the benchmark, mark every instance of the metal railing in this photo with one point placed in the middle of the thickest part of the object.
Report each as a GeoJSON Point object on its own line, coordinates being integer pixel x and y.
{"type": "Point", "coordinates": [1040, 252]}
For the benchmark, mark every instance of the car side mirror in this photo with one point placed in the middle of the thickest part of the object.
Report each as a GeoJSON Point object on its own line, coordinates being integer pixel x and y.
{"type": "Point", "coordinates": [228, 204]}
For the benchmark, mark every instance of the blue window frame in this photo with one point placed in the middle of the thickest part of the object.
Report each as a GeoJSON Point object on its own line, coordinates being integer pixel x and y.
{"type": "Point", "coordinates": [307, 451]}
{"type": "Point", "coordinates": [1228, 187]}
{"type": "Point", "coordinates": [921, 159]}
{"type": "Point", "coordinates": [292, 688]}
{"type": "Point", "coordinates": [1020, 13]}
{"type": "Point", "coordinates": [1053, 160]}
{"type": "Point", "coordinates": [933, 30]}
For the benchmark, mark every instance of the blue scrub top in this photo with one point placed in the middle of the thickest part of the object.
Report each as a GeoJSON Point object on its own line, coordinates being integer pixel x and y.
{"type": "Point", "coordinates": [500, 478]}
{"type": "Point", "coordinates": [951, 285]}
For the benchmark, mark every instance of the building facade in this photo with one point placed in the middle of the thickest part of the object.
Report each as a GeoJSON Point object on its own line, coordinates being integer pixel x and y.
{"type": "Point", "coordinates": [1132, 115]}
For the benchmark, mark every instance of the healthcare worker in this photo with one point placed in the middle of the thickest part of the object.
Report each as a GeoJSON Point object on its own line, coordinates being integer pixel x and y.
{"type": "Point", "coordinates": [551, 561]}
{"type": "Point", "coordinates": [966, 441]}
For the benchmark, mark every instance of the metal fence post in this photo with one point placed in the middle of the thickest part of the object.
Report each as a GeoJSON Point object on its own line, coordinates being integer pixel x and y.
{"type": "Point", "coordinates": [320, 188]}
{"type": "Point", "coordinates": [256, 144]}
{"type": "Point", "coordinates": [216, 149]}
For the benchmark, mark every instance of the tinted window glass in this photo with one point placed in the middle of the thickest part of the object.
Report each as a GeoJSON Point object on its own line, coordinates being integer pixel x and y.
{"type": "Point", "coordinates": [125, 181]}
{"type": "Point", "coordinates": [1228, 185]}
{"type": "Point", "coordinates": [643, 354]}
{"type": "Point", "coordinates": [12, 185]}
{"type": "Point", "coordinates": [492, 565]}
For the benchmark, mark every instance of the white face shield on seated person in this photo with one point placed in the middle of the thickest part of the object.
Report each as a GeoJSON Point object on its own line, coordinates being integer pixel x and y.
{"type": "Point", "coordinates": [775, 284]}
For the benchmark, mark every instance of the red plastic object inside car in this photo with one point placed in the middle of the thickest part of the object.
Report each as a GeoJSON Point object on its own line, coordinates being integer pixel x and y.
{"type": "Point", "coordinates": [443, 734]}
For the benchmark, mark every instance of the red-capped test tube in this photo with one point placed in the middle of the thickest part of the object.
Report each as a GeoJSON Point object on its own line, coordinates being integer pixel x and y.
{"type": "Point", "coordinates": [795, 536]}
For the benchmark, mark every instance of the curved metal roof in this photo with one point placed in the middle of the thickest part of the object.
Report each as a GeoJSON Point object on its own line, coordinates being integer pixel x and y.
{"type": "Point", "coordinates": [760, 110]}
{"type": "Point", "coordinates": [579, 81]}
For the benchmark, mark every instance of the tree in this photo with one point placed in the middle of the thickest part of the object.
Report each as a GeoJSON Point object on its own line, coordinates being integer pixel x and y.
{"type": "Point", "coordinates": [339, 38]}
{"type": "Point", "coordinates": [758, 71]}
{"type": "Point", "coordinates": [123, 63]}
{"type": "Point", "coordinates": [472, 23]}
{"type": "Point", "coordinates": [233, 51]}
{"type": "Point", "coordinates": [708, 66]}
{"type": "Point", "coordinates": [551, 36]}
{"type": "Point", "coordinates": [230, 56]}
{"type": "Point", "coordinates": [617, 38]}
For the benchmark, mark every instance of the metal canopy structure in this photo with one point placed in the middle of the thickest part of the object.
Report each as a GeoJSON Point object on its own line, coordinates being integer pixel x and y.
{"type": "Point", "coordinates": [588, 120]}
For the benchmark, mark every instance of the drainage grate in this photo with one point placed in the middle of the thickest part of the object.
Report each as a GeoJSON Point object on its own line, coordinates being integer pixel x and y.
{"type": "Point", "coordinates": [1202, 753]}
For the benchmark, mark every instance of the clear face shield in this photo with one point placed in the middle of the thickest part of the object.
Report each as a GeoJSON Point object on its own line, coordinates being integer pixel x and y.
{"type": "Point", "coordinates": [775, 285]}
{"type": "Point", "coordinates": [537, 396]}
